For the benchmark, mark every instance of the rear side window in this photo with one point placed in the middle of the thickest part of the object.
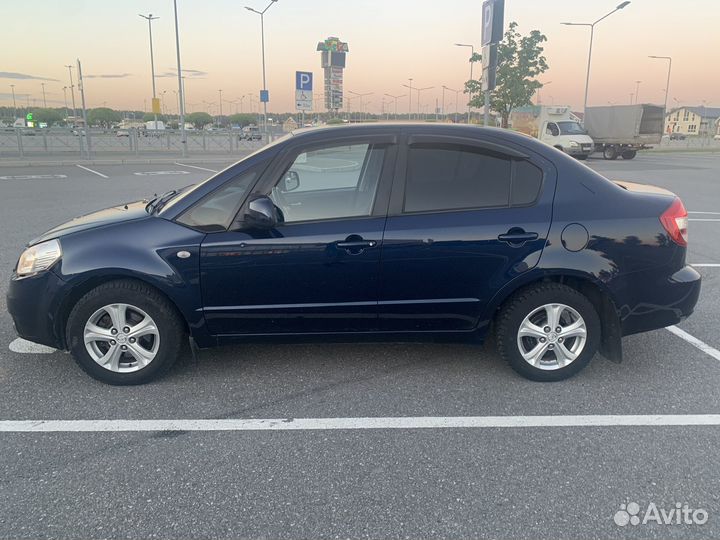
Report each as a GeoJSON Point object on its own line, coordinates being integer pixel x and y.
{"type": "Point", "coordinates": [526, 183]}
{"type": "Point", "coordinates": [453, 177]}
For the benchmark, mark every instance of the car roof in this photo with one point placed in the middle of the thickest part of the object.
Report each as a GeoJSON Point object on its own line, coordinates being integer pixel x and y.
{"type": "Point", "coordinates": [425, 128]}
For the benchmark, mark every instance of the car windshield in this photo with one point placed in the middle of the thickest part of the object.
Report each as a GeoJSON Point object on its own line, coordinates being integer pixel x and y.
{"type": "Point", "coordinates": [571, 128]}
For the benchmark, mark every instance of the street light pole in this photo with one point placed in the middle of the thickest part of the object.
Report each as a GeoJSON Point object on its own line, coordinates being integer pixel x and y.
{"type": "Point", "coordinates": [637, 91]}
{"type": "Point", "coordinates": [44, 99]}
{"type": "Point", "coordinates": [183, 138]}
{"type": "Point", "coordinates": [592, 33]}
{"type": "Point", "coordinates": [667, 85]}
{"type": "Point", "coordinates": [395, 98]}
{"type": "Point", "coordinates": [67, 112]}
{"type": "Point", "coordinates": [12, 87]}
{"type": "Point", "coordinates": [409, 86]}
{"type": "Point", "coordinates": [262, 40]}
{"type": "Point", "coordinates": [539, 101]}
{"type": "Point", "coordinates": [472, 54]}
{"type": "Point", "coordinates": [149, 18]}
{"type": "Point", "coordinates": [220, 115]}
{"type": "Point", "coordinates": [72, 90]}
{"type": "Point", "coordinates": [418, 99]}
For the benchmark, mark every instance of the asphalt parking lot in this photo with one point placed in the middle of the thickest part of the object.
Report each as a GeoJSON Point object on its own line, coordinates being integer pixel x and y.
{"type": "Point", "coordinates": [381, 475]}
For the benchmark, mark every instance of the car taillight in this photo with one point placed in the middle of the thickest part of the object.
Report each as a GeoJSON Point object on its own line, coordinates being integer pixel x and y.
{"type": "Point", "coordinates": [675, 221]}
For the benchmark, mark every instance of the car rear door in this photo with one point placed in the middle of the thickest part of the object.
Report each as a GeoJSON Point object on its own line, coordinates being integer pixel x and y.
{"type": "Point", "coordinates": [318, 270]}
{"type": "Point", "coordinates": [466, 216]}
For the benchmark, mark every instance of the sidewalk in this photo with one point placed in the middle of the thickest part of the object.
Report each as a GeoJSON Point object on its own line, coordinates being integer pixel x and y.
{"type": "Point", "coordinates": [118, 159]}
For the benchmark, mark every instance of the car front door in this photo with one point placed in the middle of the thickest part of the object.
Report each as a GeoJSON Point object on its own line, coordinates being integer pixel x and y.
{"type": "Point", "coordinates": [466, 217]}
{"type": "Point", "coordinates": [317, 270]}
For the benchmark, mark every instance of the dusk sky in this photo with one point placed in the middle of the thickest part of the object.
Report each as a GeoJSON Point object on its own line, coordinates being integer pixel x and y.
{"type": "Point", "coordinates": [389, 42]}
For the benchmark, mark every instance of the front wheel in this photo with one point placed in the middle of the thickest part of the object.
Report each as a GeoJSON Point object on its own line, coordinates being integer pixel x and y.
{"type": "Point", "coordinates": [548, 332]}
{"type": "Point", "coordinates": [124, 332]}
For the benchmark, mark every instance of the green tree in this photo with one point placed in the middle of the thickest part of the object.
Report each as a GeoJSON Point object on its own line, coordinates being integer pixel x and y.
{"type": "Point", "coordinates": [103, 116]}
{"type": "Point", "coordinates": [242, 119]}
{"type": "Point", "coordinates": [520, 61]}
{"type": "Point", "coordinates": [199, 119]}
{"type": "Point", "coordinates": [48, 116]}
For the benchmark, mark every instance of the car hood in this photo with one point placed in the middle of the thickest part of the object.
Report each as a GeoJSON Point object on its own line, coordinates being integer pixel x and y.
{"type": "Point", "coordinates": [108, 216]}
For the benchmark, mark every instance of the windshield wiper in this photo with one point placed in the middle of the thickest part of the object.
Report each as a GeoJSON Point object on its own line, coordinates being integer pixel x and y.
{"type": "Point", "coordinates": [157, 202]}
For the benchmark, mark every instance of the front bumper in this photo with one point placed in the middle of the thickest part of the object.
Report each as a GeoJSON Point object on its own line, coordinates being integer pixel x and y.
{"type": "Point", "coordinates": [661, 303]}
{"type": "Point", "coordinates": [581, 150]}
{"type": "Point", "coordinates": [33, 303]}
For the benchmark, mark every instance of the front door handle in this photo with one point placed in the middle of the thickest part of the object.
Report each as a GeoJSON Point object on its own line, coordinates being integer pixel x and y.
{"type": "Point", "coordinates": [517, 236]}
{"type": "Point", "coordinates": [355, 245]}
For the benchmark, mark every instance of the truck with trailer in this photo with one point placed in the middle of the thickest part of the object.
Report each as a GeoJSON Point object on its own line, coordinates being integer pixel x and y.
{"type": "Point", "coordinates": [554, 125]}
{"type": "Point", "coordinates": [622, 130]}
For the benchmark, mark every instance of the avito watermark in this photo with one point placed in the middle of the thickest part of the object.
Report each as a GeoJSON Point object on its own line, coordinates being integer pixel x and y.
{"type": "Point", "coordinates": [680, 514]}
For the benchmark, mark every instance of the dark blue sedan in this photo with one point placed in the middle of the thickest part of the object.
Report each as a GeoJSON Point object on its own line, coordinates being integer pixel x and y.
{"type": "Point", "coordinates": [380, 231]}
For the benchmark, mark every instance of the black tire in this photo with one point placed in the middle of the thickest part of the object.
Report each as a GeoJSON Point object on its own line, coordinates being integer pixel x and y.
{"type": "Point", "coordinates": [610, 152]}
{"type": "Point", "coordinates": [170, 327]}
{"type": "Point", "coordinates": [582, 157]}
{"type": "Point", "coordinates": [522, 304]}
{"type": "Point", "coordinates": [629, 154]}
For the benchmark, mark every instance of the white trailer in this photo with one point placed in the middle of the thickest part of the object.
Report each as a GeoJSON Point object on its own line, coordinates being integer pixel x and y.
{"type": "Point", "coordinates": [622, 130]}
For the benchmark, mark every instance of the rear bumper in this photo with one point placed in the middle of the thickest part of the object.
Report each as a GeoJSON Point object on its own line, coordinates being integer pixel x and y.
{"type": "Point", "coordinates": [32, 303]}
{"type": "Point", "coordinates": [661, 303]}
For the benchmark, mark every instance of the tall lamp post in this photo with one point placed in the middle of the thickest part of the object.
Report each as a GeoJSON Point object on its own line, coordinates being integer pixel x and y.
{"type": "Point", "coordinates": [592, 32]}
{"type": "Point", "coordinates": [418, 94]}
{"type": "Point", "coordinates": [667, 85]}
{"type": "Point", "coordinates": [472, 54]}
{"type": "Point", "coordinates": [637, 91]}
{"type": "Point", "coordinates": [12, 87]}
{"type": "Point", "coordinates": [539, 100]}
{"type": "Point", "coordinates": [395, 99]}
{"type": "Point", "coordinates": [360, 97]}
{"type": "Point", "coordinates": [67, 112]}
{"type": "Point", "coordinates": [220, 115]}
{"type": "Point", "coordinates": [72, 89]}
{"type": "Point", "coordinates": [262, 39]}
{"type": "Point", "coordinates": [410, 89]}
{"type": "Point", "coordinates": [44, 99]}
{"type": "Point", "coordinates": [149, 18]}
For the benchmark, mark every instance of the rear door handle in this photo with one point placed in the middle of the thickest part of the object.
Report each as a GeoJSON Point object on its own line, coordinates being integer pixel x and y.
{"type": "Point", "coordinates": [517, 236]}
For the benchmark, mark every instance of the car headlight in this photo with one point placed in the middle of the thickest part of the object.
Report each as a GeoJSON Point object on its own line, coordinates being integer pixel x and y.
{"type": "Point", "coordinates": [38, 258]}
{"type": "Point", "coordinates": [573, 144]}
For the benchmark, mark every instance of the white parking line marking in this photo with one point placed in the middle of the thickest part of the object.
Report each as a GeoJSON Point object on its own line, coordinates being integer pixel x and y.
{"type": "Point", "coordinates": [159, 173]}
{"type": "Point", "coordinates": [706, 265]}
{"type": "Point", "coordinates": [32, 176]}
{"type": "Point", "coordinates": [196, 167]}
{"type": "Point", "coordinates": [24, 346]}
{"type": "Point", "coordinates": [90, 170]}
{"type": "Point", "coordinates": [695, 342]}
{"type": "Point", "coordinates": [405, 422]}
{"type": "Point", "coordinates": [703, 219]}
{"type": "Point", "coordinates": [712, 213]}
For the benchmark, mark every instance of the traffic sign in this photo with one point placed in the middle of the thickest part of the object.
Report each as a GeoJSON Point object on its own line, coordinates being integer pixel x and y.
{"type": "Point", "coordinates": [264, 96]}
{"type": "Point", "coordinates": [492, 21]}
{"type": "Point", "coordinates": [303, 80]}
{"type": "Point", "coordinates": [29, 117]}
{"type": "Point", "coordinates": [303, 91]}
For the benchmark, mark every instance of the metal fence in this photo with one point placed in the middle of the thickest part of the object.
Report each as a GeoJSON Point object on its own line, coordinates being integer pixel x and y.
{"type": "Point", "coordinates": [22, 142]}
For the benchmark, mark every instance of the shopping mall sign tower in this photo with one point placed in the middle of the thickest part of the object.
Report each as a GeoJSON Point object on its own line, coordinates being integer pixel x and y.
{"type": "Point", "coordinates": [333, 62]}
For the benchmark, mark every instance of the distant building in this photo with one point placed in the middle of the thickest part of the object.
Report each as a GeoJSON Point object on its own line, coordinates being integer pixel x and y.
{"type": "Point", "coordinates": [692, 120]}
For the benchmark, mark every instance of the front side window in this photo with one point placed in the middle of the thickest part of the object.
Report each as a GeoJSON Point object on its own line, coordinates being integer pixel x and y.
{"type": "Point", "coordinates": [330, 183]}
{"type": "Point", "coordinates": [216, 211]}
{"type": "Point", "coordinates": [452, 177]}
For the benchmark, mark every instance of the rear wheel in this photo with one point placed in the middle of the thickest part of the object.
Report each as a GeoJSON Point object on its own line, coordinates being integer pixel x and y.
{"type": "Point", "coordinates": [124, 332]}
{"type": "Point", "coordinates": [610, 152]}
{"type": "Point", "coordinates": [548, 332]}
{"type": "Point", "coordinates": [629, 154]}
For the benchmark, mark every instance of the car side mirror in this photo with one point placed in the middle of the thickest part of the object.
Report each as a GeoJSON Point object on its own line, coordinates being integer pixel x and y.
{"type": "Point", "coordinates": [261, 213]}
{"type": "Point", "coordinates": [290, 182]}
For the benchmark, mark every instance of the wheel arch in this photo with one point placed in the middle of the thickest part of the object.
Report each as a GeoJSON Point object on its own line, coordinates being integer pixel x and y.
{"type": "Point", "coordinates": [588, 286]}
{"type": "Point", "coordinates": [86, 285]}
